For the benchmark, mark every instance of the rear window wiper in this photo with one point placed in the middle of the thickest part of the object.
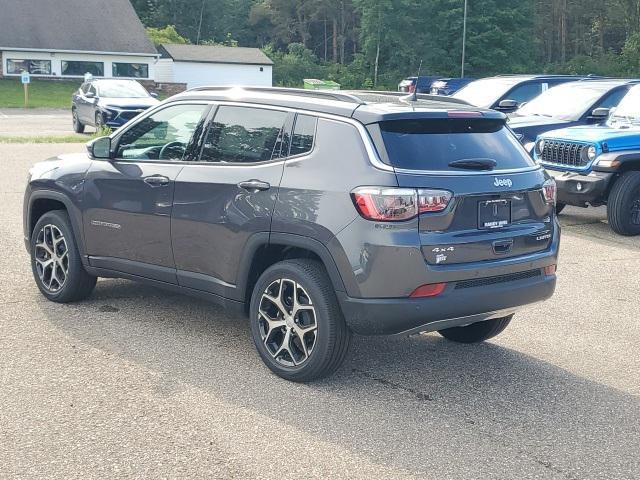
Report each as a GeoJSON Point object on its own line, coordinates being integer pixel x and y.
{"type": "Point", "coordinates": [474, 164]}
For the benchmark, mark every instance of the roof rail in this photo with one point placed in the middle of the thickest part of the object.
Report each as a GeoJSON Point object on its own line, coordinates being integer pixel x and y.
{"type": "Point", "coordinates": [322, 94]}
{"type": "Point", "coordinates": [419, 96]}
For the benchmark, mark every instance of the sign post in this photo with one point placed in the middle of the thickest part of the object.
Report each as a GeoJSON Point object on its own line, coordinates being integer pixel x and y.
{"type": "Point", "coordinates": [26, 80]}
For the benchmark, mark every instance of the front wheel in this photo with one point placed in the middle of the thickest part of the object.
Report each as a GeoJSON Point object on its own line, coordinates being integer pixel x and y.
{"type": "Point", "coordinates": [296, 322]}
{"type": "Point", "coordinates": [99, 121]}
{"type": "Point", "coordinates": [560, 207]}
{"type": "Point", "coordinates": [55, 261]}
{"type": "Point", "coordinates": [78, 126]}
{"type": "Point", "coordinates": [476, 332]}
{"type": "Point", "coordinates": [623, 205]}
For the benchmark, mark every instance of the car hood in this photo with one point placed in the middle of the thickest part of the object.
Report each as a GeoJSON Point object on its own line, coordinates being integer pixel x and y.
{"type": "Point", "coordinates": [615, 138]}
{"type": "Point", "coordinates": [535, 121]}
{"type": "Point", "coordinates": [68, 168]}
{"type": "Point", "coordinates": [144, 102]}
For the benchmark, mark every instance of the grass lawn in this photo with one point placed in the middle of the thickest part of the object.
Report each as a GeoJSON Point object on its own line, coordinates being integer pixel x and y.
{"type": "Point", "coordinates": [75, 138]}
{"type": "Point", "coordinates": [42, 93]}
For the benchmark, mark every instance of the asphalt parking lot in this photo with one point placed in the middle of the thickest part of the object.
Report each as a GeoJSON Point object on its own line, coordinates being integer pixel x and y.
{"type": "Point", "coordinates": [135, 382]}
{"type": "Point", "coordinates": [21, 122]}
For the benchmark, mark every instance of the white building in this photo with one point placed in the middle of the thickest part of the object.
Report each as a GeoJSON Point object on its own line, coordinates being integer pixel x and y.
{"type": "Point", "coordinates": [198, 65]}
{"type": "Point", "coordinates": [68, 38]}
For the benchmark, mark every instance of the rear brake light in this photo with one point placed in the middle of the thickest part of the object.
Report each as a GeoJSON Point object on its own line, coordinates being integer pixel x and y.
{"type": "Point", "coordinates": [430, 290]}
{"type": "Point", "coordinates": [463, 114]}
{"type": "Point", "coordinates": [550, 270]}
{"type": "Point", "coordinates": [549, 191]}
{"type": "Point", "coordinates": [397, 204]}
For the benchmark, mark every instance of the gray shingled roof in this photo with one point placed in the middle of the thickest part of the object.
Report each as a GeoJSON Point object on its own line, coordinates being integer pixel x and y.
{"type": "Point", "coordinates": [80, 25]}
{"type": "Point", "coordinates": [214, 54]}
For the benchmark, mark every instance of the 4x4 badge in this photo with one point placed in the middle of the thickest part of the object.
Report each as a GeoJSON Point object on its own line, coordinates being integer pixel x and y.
{"type": "Point", "coordinates": [502, 182]}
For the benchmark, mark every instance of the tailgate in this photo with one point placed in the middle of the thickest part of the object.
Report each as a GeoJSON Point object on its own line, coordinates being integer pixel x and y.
{"type": "Point", "coordinates": [484, 222]}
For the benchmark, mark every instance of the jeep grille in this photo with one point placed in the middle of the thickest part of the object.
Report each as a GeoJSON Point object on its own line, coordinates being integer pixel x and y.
{"type": "Point", "coordinates": [565, 153]}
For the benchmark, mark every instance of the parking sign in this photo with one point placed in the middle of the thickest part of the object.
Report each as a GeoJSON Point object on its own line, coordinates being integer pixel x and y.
{"type": "Point", "coordinates": [25, 77]}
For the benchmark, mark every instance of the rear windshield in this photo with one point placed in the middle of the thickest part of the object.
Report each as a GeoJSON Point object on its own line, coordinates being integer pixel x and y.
{"type": "Point", "coordinates": [432, 144]}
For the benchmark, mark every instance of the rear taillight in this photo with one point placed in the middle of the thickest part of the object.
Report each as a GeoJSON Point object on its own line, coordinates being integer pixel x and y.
{"type": "Point", "coordinates": [412, 88]}
{"type": "Point", "coordinates": [396, 204]}
{"type": "Point", "coordinates": [549, 191]}
{"type": "Point", "coordinates": [433, 200]}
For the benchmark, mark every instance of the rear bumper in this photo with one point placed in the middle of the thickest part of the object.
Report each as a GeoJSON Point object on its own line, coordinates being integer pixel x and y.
{"type": "Point", "coordinates": [593, 187]}
{"type": "Point", "coordinates": [458, 305]}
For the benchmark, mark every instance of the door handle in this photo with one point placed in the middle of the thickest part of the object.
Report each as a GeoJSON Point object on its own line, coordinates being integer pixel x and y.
{"type": "Point", "coordinates": [502, 247]}
{"type": "Point", "coordinates": [157, 181]}
{"type": "Point", "coordinates": [254, 185]}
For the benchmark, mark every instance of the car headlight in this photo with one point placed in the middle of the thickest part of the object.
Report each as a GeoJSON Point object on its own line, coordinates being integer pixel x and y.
{"type": "Point", "coordinates": [540, 146]}
{"type": "Point", "coordinates": [592, 153]}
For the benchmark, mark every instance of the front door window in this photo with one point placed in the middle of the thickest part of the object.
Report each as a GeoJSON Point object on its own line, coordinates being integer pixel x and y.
{"type": "Point", "coordinates": [164, 135]}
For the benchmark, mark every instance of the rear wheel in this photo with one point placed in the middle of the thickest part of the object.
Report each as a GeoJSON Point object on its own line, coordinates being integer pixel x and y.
{"type": "Point", "coordinates": [560, 207]}
{"type": "Point", "coordinates": [296, 322]}
{"type": "Point", "coordinates": [623, 205]}
{"type": "Point", "coordinates": [476, 332]}
{"type": "Point", "coordinates": [55, 261]}
{"type": "Point", "coordinates": [78, 126]}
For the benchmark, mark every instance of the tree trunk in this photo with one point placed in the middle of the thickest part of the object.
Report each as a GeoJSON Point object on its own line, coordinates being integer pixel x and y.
{"type": "Point", "coordinates": [335, 40]}
{"type": "Point", "coordinates": [342, 32]}
{"type": "Point", "coordinates": [325, 39]}
{"type": "Point", "coordinates": [377, 62]}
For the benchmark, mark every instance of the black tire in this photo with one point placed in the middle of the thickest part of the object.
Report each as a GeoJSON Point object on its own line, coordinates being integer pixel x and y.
{"type": "Point", "coordinates": [623, 205]}
{"type": "Point", "coordinates": [77, 283]}
{"type": "Point", "coordinates": [476, 332]}
{"type": "Point", "coordinates": [331, 339]}
{"type": "Point", "coordinates": [560, 207]}
{"type": "Point", "coordinates": [99, 121]}
{"type": "Point", "coordinates": [78, 126]}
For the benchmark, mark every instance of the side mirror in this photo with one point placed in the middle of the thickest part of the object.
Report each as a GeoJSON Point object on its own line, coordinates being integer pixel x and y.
{"type": "Point", "coordinates": [507, 105]}
{"type": "Point", "coordinates": [154, 94]}
{"type": "Point", "coordinates": [100, 148]}
{"type": "Point", "coordinates": [600, 113]}
{"type": "Point", "coordinates": [90, 95]}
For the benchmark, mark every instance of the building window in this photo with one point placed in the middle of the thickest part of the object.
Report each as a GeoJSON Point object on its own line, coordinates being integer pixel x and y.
{"type": "Point", "coordinates": [35, 67]}
{"type": "Point", "coordinates": [78, 69]}
{"type": "Point", "coordinates": [134, 70]}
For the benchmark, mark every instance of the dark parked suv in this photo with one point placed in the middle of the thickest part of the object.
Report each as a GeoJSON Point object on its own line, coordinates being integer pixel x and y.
{"type": "Point", "coordinates": [317, 214]}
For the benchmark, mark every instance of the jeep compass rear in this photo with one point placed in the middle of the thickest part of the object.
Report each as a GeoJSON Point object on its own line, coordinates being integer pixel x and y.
{"type": "Point", "coordinates": [468, 234]}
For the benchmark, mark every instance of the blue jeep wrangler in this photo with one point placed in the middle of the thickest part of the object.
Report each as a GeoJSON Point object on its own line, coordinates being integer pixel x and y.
{"type": "Point", "coordinates": [599, 165]}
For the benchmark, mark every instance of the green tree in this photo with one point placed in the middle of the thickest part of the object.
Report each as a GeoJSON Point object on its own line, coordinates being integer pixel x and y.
{"type": "Point", "coordinates": [167, 34]}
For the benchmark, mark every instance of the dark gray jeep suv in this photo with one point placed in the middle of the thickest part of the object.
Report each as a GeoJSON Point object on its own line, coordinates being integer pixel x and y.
{"type": "Point", "coordinates": [317, 214]}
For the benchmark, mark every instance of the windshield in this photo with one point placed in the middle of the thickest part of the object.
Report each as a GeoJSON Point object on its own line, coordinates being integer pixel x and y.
{"type": "Point", "coordinates": [628, 111]}
{"type": "Point", "coordinates": [484, 93]}
{"type": "Point", "coordinates": [121, 90]}
{"type": "Point", "coordinates": [433, 144]}
{"type": "Point", "coordinates": [565, 102]}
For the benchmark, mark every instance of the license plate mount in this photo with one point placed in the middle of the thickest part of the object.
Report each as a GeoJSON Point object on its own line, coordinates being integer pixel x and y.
{"type": "Point", "coordinates": [493, 214]}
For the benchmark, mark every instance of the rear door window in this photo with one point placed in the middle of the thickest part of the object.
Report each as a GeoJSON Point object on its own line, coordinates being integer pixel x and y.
{"type": "Point", "coordinates": [244, 135]}
{"type": "Point", "coordinates": [432, 144]}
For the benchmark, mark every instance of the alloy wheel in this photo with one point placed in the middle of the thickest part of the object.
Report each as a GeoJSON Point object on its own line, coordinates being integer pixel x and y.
{"type": "Point", "coordinates": [287, 322]}
{"type": "Point", "coordinates": [51, 257]}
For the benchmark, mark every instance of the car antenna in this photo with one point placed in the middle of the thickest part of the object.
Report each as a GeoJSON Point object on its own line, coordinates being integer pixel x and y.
{"type": "Point", "coordinates": [413, 97]}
